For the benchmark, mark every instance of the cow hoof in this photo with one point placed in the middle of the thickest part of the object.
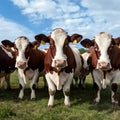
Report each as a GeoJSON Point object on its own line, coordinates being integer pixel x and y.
{"type": "Point", "coordinates": [115, 105]}
{"type": "Point", "coordinates": [20, 99]}
{"type": "Point", "coordinates": [33, 99]}
{"type": "Point", "coordinates": [95, 103]}
{"type": "Point", "coordinates": [68, 105]}
{"type": "Point", "coordinates": [50, 106]}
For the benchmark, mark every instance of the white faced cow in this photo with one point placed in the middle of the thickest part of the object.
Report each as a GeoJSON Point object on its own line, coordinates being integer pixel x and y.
{"type": "Point", "coordinates": [104, 62]}
{"type": "Point", "coordinates": [29, 62]}
{"type": "Point", "coordinates": [61, 62]}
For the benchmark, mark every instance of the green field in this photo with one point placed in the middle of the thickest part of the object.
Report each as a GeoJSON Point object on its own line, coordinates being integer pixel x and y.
{"type": "Point", "coordinates": [81, 108]}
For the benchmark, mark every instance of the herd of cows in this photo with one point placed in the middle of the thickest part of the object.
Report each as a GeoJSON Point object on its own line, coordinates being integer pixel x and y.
{"type": "Point", "coordinates": [61, 62]}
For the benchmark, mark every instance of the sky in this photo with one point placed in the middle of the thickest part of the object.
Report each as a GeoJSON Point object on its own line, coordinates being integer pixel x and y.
{"type": "Point", "coordinates": [32, 17]}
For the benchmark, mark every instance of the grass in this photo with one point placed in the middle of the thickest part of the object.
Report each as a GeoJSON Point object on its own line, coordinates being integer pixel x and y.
{"type": "Point", "coordinates": [81, 108]}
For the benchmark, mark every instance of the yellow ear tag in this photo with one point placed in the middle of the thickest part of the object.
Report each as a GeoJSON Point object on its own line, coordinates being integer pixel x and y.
{"type": "Point", "coordinates": [8, 47]}
{"type": "Point", "coordinates": [75, 41]}
{"type": "Point", "coordinates": [35, 47]}
{"type": "Point", "coordinates": [119, 46]}
{"type": "Point", "coordinates": [42, 42]}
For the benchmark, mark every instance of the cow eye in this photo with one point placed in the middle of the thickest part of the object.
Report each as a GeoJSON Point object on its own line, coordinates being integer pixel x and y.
{"type": "Point", "coordinates": [51, 45]}
{"type": "Point", "coordinates": [66, 45]}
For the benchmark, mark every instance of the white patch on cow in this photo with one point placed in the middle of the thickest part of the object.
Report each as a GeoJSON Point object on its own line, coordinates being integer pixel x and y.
{"type": "Point", "coordinates": [7, 52]}
{"type": "Point", "coordinates": [58, 80]}
{"type": "Point", "coordinates": [103, 41]}
{"type": "Point", "coordinates": [78, 60]}
{"type": "Point", "coordinates": [59, 36]}
{"type": "Point", "coordinates": [85, 57]}
{"type": "Point", "coordinates": [21, 44]}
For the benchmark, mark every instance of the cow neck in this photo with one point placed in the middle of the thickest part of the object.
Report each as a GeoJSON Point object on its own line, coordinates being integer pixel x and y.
{"type": "Point", "coordinates": [26, 69]}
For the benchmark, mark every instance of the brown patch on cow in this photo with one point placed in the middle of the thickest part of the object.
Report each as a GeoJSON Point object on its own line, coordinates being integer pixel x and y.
{"type": "Point", "coordinates": [67, 92]}
{"type": "Point", "coordinates": [93, 59]}
{"type": "Point", "coordinates": [102, 32]}
{"type": "Point", "coordinates": [114, 55]}
{"type": "Point", "coordinates": [51, 92]}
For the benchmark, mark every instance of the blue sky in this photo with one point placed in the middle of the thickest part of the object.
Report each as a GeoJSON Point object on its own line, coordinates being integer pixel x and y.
{"type": "Point", "coordinates": [31, 17]}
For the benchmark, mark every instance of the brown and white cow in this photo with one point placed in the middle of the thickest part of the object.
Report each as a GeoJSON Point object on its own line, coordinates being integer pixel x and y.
{"type": "Point", "coordinates": [29, 62]}
{"type": "Point", "coordinates": [104, 62]}
{"type": "Point", "coordinates": [7, 64]}
{"type": "Point", "coordinates": [80, 80]}
{"type": "Point", "coordinates": [61, 62]}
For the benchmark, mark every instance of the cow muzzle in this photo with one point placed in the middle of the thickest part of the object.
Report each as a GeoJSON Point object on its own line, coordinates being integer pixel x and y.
{"type": "Point", "coordinates": [60, 63]}
{"type": "Point", "coordinates": [104, 65]}
{"type": "Point", "coordinates": [21, 65]}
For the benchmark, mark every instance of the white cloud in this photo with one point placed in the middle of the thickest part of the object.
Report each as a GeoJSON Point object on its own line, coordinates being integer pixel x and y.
{"type": "Point", "coordinates": [86, 17]}
{"type": "Point", "coordinates": [11, 30]}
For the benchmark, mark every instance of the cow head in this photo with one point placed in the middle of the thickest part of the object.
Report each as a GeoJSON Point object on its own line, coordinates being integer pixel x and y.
{"type": "Point", "coordinates": [22, 48]}
{"type": "Point", "coordinates": [59, 44]}
{"type": "Point", "coordinates": [99, 49]}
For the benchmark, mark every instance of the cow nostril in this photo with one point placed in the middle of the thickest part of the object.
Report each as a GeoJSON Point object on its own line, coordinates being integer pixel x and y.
{"type": "Point", "coordinates": [21, 64]}
{"type": "Point", "coordinates": [60, 63]}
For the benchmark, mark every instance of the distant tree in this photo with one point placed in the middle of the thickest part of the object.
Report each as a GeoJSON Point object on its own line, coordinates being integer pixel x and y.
{"type": "Point", "coordinates": [82, 50]}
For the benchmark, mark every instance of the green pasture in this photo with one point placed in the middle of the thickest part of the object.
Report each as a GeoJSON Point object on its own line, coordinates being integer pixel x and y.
{"type": "Point", "coordinates": [81, 104]}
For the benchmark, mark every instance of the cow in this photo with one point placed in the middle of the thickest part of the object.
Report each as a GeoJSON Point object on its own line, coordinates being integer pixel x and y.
{"type": "Point", "coordinates": [29, 63]}
{"type": "Point", "coordinates": [62, 62]}
{"type": "Point", "coordinates": [80, 80]}
{"type": "Point", "coordinates": [7, 64]}
{"type": "Point", "coordinates": [104, 63]}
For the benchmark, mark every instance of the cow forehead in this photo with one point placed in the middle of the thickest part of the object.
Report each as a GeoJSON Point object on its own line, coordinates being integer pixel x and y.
{"type": "Point", "coordinates": [59, 36]}
{"type": "Point", "coordinates": [21, 43]}
{"type": "Point", "coordinates": [103, 39]}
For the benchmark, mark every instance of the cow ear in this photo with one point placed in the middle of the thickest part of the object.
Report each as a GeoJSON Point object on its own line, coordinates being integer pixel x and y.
{"type": "Point", "coordinates": [34, 45]}
{"type": "Point", "coordinates": [87, 43]}
{"type": "Point", "coordinates": [7, 43]}
{"type": "Point", "coordinates": [116, 41]}
{"type": "Point", "coordinates": [41, 38]}
{"type": "Point", "coordinates": [75, 38]}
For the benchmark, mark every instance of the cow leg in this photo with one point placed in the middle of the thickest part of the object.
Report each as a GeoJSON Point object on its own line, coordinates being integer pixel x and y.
{"type": "Point", "coordinates": [114, 88]}
{"type": "Point", "coordinates": [66, 91]}
{"type": "Point", "coordinates": [97, 93]}
{"type": "Point", "coordinates": [82, 81]}
{"type": "Point", "coordinates": [76, 81]}
{"type": "Point", "coordinates": [97, 76]}
{"type": "Point", "coordinates": [7, 79]}
{"type": "Point", "coordinates": [52, 90]}
{"type": "Point", "coordinates": [33, 84]}
{"type": "Point", "coordinates": [83, 85]}
{"type": "Point", "coordinates": [45, 82]}
{"type": "Point", "coordinates": [22, 85]}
